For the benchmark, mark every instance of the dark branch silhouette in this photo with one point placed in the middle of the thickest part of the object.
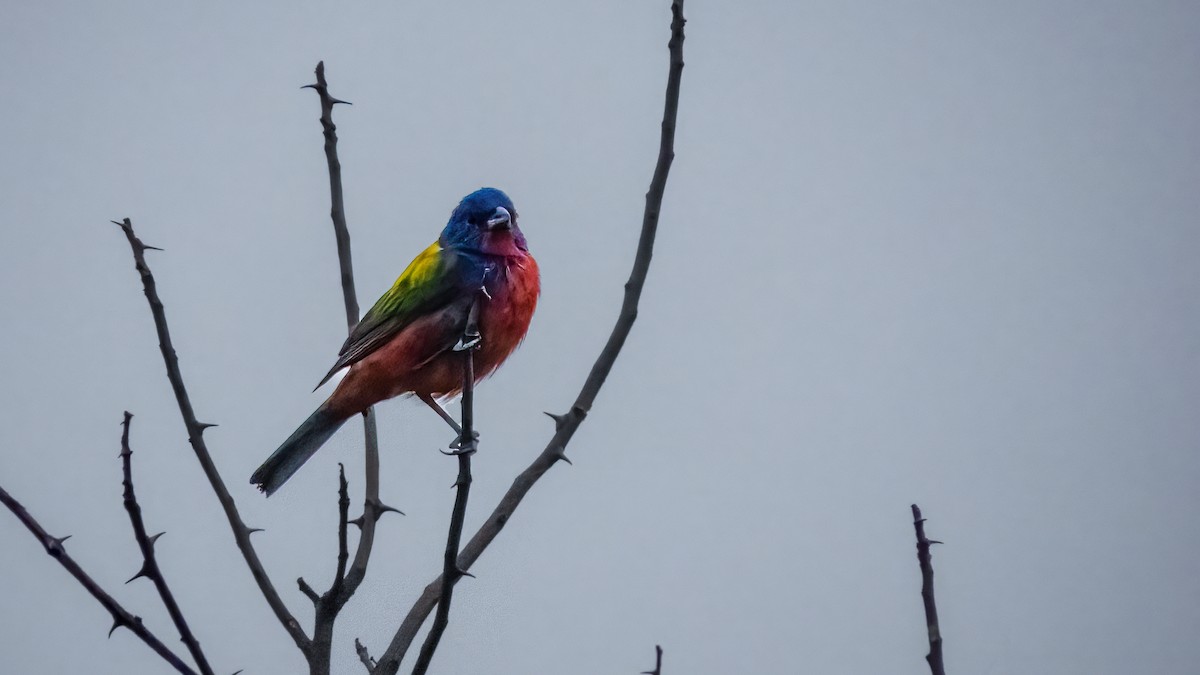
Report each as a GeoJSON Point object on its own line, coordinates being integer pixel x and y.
{"type": "Point", "coordinates": [657, 662]}
{"type": "Point", "coordinates": [566, 424]}
{"type": "Point", "coordinates": [350, 573]}
{"type": "Point", "coordinates": [345, 586]}
{"type": "Point", "coordinates": [466, 445]}
{"type": "Point", "coordinates": [122, 618]}
{"type": "Point", "coordinates": [364, 655]}
{"type": "Point", "coordinates": [931, 618]}
{"type": "Point", "coordinates": [150, 568]}
{"type": "Point", "coordinates": [195, 429]}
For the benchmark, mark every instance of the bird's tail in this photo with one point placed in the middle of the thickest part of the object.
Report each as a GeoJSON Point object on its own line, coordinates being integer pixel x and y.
{"type": "Point", "coordinates": [296, 450]}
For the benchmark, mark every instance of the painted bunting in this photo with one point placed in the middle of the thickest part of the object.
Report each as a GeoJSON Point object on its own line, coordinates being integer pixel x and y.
{"type": "Point", "coordinates": [405, 343]}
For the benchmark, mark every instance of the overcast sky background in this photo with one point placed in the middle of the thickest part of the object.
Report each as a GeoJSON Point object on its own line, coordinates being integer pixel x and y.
{"type": "Point", "coordinates": [929, 252]}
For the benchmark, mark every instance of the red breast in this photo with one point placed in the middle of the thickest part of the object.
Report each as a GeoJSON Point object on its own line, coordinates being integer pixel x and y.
{"type": "Point", "coordinates": [402, 366]}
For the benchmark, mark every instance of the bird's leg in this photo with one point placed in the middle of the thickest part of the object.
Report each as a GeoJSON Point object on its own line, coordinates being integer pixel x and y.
{"type": "Point", "coordinates": [468, 438]}
{"type": "Point", "coordinates": [437, 408]}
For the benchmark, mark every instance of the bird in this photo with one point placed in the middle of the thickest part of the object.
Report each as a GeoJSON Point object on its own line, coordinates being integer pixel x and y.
{"type": "Point", "coordinates": [479, 268]}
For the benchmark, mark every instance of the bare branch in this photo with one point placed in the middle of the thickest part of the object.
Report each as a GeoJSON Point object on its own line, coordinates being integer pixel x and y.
{"type": "Point", "coordinates": [466, 445]}
{"type": "Point", "coordinates": [364, 655]}
{"type": "Point", "coordinates": [343, 523]}
{"type": "Point", "coordinates": [345, 582]}
{"type": "Point", "coordinates": [121, 616]}
{"type": "Point", "coordinates": [931, 619]}
{"type": "Point", "coordinates": [372, 506]}
{"type": "Point", "coordinates": [308, 590]}
{"type": "Point", "coordinates": [657, 662]}
{"type": "Point", "coordinates": [195, 429]}
{"type": "Point", "coordinates": [150, 567]}
{"type": "Point", "coordinates": [567, 424]}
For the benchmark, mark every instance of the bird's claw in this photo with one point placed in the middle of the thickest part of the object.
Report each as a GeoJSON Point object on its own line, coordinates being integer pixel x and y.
{"type": "Point", "coordinates": [458, 444]}
{"type": "Point", "coordinates": [468, 342]}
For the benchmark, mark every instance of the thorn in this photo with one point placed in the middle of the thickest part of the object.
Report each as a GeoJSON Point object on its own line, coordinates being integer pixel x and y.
{"type": "Point", "coordinates": [154, 538]}
{"type": "Point", "coordinates": [147, 247]}
{"type": "Point", "coordinates": [559, 420]}
{"type": "Point", "coordinates": [115, 626]}
{"type": "Point", "coordinates": [562, 457]}
{"type": "Point", "coordinates": [58, 541]}
{"type": "Point", "coordinates": [205, 425]}
{"type": "Point", "coordinates": [252, 530]}
{"type": "Point", "coordinates": [306, 86]}
{"type": "Point", "coordinates": [336, 101]}
{"type": "Point", "coordinates": [237, 672]}
{"type": "Point", "coordinates": [144, 572]}
{"type": "Point", "coordinates": [384, 508]}
{"type": "Point", "coordinates": [118, 224]}
{"type": "Point", "coordinates": [380, 509]}
{"type": "Point", "coordinates": [935, 541]}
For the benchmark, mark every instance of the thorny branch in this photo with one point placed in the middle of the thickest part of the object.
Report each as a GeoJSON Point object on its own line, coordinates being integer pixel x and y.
{"type": "Point", "coordinates": [466, 446]}
{"type": "Point", "coordinates": [195, 429]}
{"type": "Point", "coordinates": [931, 618]}
{"type": "Point", "coordinates": [121, 616]}
{"type": "Point", "coordinates": [567, 424]}
{"type": "Point", "coordinates": [345, 586]}
{"type": "Point", "coordinates": [150, 568]}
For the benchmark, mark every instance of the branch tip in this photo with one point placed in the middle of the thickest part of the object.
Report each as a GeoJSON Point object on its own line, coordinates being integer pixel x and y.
{"type": "Point", "coordinates": [436, 594]}
{"type": "Point", "coordinates": [307, 590]}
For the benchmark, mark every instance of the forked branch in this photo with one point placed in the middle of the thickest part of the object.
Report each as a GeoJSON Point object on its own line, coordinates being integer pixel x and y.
{"type": "Point", "coordinates": [122, 618]}
{"type": "Point", "coordinates": [150, 568]}
{"type": "Point", "coordinates": [195, 429]}
{"type": "Point", "coordinates": [568, 423]}
{"type": "Point", "coordinates": [347, 583]}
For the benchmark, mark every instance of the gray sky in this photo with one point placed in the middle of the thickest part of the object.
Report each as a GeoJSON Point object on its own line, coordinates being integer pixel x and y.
{"type": "Point", "coordinates": [925, 251]}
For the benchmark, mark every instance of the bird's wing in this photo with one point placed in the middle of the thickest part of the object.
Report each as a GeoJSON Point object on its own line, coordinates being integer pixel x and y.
{"type": "Point", "coordinates": [430, 283]}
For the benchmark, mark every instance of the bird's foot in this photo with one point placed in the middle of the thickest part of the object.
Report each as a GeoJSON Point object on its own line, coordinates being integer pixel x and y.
{"type": "Point", "coordinates": [460, 446]}
{"type": "Point", "coordinates": [468, 342]}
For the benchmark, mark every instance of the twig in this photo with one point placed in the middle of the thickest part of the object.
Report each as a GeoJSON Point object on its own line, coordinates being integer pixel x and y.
{"type": "Point", "coordinates": [566, 425]}
{"type": "Point", "coordinates": [467, 444]}
{"type": "Point", "coordinates": [364, 655]}
{"type": "Point", "coordinates": [657, 662]}
{"type": "Point", "coordinates": [121, 616]}
{"type": "Point", "coordinates": [343, 523]}
{"type": "Point", "coordinates": [934, 657]}
{"type": "Point", "coordinates": [150, 567]}
{"type": "Point", "coordinates": [195, 429]}
{"type": "Point", "coordinates": [373, 508]}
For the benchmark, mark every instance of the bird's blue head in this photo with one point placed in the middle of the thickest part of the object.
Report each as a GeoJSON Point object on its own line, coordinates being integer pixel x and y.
{"type": "Point", "coordinates": [485, 221]}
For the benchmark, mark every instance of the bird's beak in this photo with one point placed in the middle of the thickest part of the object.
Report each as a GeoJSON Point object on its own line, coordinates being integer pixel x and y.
{"type": "Point", "coordinates": [500, 220]}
